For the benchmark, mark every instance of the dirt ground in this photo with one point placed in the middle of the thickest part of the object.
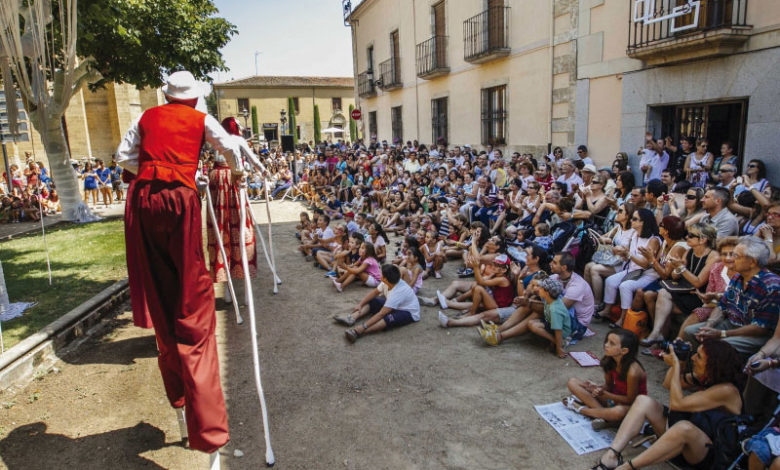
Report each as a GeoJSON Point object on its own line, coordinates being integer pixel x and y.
{"type": "Point", "coordinates": [419, 397]}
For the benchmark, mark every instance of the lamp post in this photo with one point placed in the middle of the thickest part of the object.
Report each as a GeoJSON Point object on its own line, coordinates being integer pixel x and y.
{"type": "Point", "coordinates": [245, 114]}
{"type": "Point", "coordinates": [283, 120]}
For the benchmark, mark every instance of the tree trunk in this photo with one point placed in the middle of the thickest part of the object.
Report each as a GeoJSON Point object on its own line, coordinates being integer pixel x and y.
{"type": "Point", "coordinates": [73, 208]}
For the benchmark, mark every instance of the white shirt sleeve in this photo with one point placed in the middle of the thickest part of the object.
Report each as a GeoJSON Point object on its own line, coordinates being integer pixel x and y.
{"type": "Point", "coordinates": [247, 152]}
{"type": "Point", "coordinates": [127, 152]}
{"type": "Point", "coordinates": [222, 142]}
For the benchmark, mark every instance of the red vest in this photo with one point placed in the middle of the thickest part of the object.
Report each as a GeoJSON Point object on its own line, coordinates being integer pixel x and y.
{"type": "Point", "coordinates": [171, 139]}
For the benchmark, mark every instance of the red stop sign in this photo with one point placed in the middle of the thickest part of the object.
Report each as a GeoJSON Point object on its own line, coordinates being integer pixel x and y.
{"type": "Point", "coordinates": [356, 114]}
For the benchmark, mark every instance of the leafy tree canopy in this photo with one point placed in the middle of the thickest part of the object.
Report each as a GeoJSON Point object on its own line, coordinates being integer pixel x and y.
{"type": "Point", "coordinates": [137, 41]}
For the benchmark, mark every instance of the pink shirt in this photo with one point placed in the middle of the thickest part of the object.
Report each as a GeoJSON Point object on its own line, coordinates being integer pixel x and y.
{"type": "Point", "coordinates": [373, 268]}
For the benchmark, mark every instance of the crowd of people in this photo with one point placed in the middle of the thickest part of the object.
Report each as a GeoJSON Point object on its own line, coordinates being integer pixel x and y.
{"type": "Point", "coordinates": [681, 263]}
{"type": "Point", "coordinates": [27, 194]}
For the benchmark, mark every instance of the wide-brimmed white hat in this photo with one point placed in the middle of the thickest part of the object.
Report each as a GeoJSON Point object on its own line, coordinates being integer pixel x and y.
{"type": "Point", "coordinates": [182, 86]}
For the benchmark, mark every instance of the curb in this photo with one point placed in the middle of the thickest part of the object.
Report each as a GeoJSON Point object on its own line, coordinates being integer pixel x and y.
{"type": "Point", "coordinates": [38, 352]}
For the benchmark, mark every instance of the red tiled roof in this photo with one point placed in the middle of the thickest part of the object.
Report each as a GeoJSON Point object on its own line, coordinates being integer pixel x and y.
{"type": "Point", "coordinates": [262, 81]}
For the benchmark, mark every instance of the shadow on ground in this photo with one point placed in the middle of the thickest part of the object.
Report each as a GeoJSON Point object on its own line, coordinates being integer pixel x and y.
{"type": "Point", "coordinates": [24, 446]}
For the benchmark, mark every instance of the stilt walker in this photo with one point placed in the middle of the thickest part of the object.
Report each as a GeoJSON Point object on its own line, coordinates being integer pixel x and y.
{"type": "Point", "coordinates": [166, 265]}
{"type": "Point", "coordinates": [224, 233]}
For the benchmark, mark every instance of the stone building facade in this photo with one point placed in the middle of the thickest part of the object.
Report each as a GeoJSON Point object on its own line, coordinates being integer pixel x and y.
{"type": "Point", "coordinates": [94, 123]}
{"type": "Point", "coordinates": [269, 95]}
{"type": "Point", "coordinates": [594, 72]}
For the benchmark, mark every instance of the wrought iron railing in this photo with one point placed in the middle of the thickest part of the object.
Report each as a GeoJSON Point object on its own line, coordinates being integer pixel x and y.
{"type": "Point", "coordinates": [432, 56]}
{"type": "Point", "coordinates": [486, 33]}
{"type": "Point", "coordinates": [366, 83]}
{"type": "Point", "coordinates": [390, 73]}
{"type": "Point", "coordinates": [673, 19]}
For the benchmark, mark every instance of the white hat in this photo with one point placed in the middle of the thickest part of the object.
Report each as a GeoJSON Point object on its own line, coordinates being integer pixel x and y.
{"type": "Point", "coordinates": [182, 86]}
{"type": "Point", "coordinates": [590, 167]}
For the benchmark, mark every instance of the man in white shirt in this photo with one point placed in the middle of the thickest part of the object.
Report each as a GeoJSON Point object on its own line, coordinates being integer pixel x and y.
{"type": "Point", "coordinates": [569, 176]}
{"type": "Point", "coordinates": [648, 159]}
{"type": "Point", "coordinates": [411, 164]}
{"type": "Point", "coordinates": [391, 305]}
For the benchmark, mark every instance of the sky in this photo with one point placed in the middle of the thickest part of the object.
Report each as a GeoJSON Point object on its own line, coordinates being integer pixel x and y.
{"type": "Point", "coordinates": [294, 37]}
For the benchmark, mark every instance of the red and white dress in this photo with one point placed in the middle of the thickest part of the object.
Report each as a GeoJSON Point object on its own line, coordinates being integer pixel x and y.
{"type": "Point", "coordinates": [225, 196]}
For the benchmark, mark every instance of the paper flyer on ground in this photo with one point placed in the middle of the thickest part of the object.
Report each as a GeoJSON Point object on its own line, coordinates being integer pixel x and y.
{"type": "Point", "coordinates": [575, 428]}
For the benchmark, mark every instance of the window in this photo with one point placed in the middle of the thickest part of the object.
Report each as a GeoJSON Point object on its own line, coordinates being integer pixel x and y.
{"type": "Point", "coordinates": [297, 107]}
{"type": "Point", "coordinates": [372, 126]}
{"type": "Point", "coordinates": [336, 104]}
{"type": "Point", "coordinates": [397, 123]}
{"type": "Point", "coordinates": [243, 104]}
{"type": "Point", "coordinates": [395, 53]}
{"type": "Point", "coordinates": [370, 58]}
{"type": "Point", "coordinates": [494, 115]}
{"type": "Point", "coordinates": [439, 120]}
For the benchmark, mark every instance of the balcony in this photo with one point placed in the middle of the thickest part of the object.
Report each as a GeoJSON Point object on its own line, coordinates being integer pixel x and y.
{"type": "Point", "coordinates": [390, 74]}
{"type": "Point", "coordinates": [486, 35]}
{"type": "Point", "coordinates": [432, 58]}
{"type": "Point", "coordinates": [677, 31]}
{"type": "Point", "coordinates": [366, 86]}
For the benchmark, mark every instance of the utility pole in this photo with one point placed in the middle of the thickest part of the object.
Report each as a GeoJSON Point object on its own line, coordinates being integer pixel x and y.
{"type": "Point", "coordinates": [257, 72]}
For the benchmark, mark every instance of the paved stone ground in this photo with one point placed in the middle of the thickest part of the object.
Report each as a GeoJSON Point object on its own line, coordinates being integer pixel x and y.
{"type": "Point", "coordinates": [416, 398]}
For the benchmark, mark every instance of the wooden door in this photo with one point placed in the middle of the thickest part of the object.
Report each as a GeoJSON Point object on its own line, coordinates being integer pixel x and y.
{"type": "Point", "coordinates": [396, 54]}
{"type": "Point", "coordinates": [439, 33]}
{"type": "Point", "coordinates": [495, 24]}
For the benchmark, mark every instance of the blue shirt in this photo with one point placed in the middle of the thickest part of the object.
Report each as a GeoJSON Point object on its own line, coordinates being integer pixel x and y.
{"type": "Point", "coordinates": [104, 175]}
{"type": "Point", "coordinates": [757, 303]}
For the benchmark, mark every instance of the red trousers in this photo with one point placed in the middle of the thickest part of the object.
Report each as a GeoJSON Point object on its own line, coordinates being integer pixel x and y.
{"type": "Point", "coordinates": [168, 274]}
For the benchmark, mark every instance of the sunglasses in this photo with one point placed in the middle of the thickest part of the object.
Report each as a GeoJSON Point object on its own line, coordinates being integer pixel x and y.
{"type": "Point", "coordinates": [691, 197]}
{"type": "Point", "coordinates": [693, 235]}
{"type": "Point", "coordinates": [752, 165]}
{"type": "Point", "coordinates": [726, 170]}
{"type": "Point", "coordinates": [635, 219]}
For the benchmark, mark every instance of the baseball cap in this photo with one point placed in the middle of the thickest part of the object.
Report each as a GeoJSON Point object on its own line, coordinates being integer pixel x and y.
{"type": "Point", "coordinates": [501, 259]}
{"type": "Point", "coordinates": [590, 168]}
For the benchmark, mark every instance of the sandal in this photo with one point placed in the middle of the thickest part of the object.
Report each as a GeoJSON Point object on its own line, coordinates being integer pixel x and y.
{"type": "Point", "coordinates": [601, 466]}
{"type": "Point", "coordinates": [571, 402]}
{"type": "Point", "coordinates": [352, 335]}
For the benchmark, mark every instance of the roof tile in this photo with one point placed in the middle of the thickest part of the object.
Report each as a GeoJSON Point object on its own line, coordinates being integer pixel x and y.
{"type": "Point", "coordinates": [288, 81]}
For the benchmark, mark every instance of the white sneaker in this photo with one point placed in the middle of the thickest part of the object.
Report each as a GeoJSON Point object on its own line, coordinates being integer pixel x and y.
{"type": "Point", "coordinates": [427, 301]}
{"type": "Point", "coordinates": [337, 284]}
{"type": "Point", "coordinates": [443, 320]}
{"type": "Point", "coordinates": [437, 274]}
{"type": "Point", "coordinates": [442, 300]}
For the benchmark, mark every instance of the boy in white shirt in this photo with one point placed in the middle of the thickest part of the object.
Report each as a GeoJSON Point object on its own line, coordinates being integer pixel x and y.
{"type": "Point", "coordinates": [392, 304]}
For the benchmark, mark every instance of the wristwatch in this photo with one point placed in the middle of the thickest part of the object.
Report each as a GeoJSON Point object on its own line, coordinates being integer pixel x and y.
{"type": "Point", "coordinates": [723, 333]}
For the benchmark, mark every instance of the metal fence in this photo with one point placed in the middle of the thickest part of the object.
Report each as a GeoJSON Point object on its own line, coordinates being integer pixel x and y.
{"type": "Point", "coordinates": [432, 56]}
{"type": "Point", "coordinates": [390, 73]}
{"type": "Point", "coordinates": [486, 33]}
{"type": "Point", "coordinates": [653, 29]}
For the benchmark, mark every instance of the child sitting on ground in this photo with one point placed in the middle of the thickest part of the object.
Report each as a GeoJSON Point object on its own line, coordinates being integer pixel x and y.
{"type": "Point", "coordinates": [392, 304]}
{"type": "Point", "coordinates": [624, 378]}
{"type": "Point", "coordinates": [556, 325]}
{"type": "Point", "coordinates": [433, 251]}
{"type": "Point", "coordinates": [366, 269]}
{"type": "Point", "coordinates": [413, 268]}
{"type": "Point", "coordinates": [305, 227]}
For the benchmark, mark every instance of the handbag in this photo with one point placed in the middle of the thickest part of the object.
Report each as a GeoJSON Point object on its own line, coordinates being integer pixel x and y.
{"type": "Point", "coordinates": [633, 275]}
{"type": "Point", "coordinates": [677, 287]}
{"type": "Point", "coordinates": [603, 254]}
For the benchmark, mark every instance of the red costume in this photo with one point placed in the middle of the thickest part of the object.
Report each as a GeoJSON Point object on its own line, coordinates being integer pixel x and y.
{"type": "Point", "coordinates": [225, 196]}
{"type": "Point", "coordinates": [166, 267]}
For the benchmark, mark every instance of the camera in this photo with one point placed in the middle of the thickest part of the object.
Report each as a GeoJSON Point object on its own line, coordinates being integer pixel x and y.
{"type": "Point", "coordinates": [681, 349]}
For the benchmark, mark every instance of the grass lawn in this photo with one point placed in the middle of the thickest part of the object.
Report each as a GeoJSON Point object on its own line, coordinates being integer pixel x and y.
{"type": "Point", "coordinates": [85, 259]}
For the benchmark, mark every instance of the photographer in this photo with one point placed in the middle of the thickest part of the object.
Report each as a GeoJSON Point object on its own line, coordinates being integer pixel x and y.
{"type": "Point", "coordinates": [687, 428]}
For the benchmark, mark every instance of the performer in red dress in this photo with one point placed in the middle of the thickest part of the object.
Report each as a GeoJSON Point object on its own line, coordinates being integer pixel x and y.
{"type": "Point", "coordinates": [166, 267]}
{"type": "Point", "coordinates": [224, 188]}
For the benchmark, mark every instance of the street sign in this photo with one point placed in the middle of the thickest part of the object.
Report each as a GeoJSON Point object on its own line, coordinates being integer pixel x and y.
{"type": "Point", "coordinates": [356, 114]}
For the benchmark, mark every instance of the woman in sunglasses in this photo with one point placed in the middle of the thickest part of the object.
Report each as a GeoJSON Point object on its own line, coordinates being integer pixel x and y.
{"type": "Point", "coordinates": [691, 211]}
{"type": "Point", "coordinates": [698, 164]}
{"type": "Point", "coordinates": [770, 233]}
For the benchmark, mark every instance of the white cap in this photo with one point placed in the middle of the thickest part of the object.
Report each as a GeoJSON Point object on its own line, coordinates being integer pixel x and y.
{"type": "Point", "coordinates": [590, 168]}
{"type": "Point", "coordinates": [182, 86]}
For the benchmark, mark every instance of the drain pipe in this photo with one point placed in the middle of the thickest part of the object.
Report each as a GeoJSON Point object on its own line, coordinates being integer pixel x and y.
{"type": "Point", "coordinates": [552, 75]}
{"type": "Point", "coordinates": [416, 81]}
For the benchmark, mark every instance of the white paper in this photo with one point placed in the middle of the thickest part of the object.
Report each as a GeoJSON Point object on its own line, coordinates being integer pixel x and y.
{"type": "Point", "coordinates": [15, 310]}
{"type": "Point", "coordinates": [575, 428]}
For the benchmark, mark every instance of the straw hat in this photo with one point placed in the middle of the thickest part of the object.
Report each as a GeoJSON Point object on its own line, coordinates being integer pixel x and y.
{"type": "Point", "coordinates": [182, 86]}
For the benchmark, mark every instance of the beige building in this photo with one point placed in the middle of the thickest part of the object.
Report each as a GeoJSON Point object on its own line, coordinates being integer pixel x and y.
{"type": "Point", "coordinates": [94, 123]}
{"type": "Point", "coordinates": [529, 76]}
{"type": "Point", "coordinates": [269, 96]}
